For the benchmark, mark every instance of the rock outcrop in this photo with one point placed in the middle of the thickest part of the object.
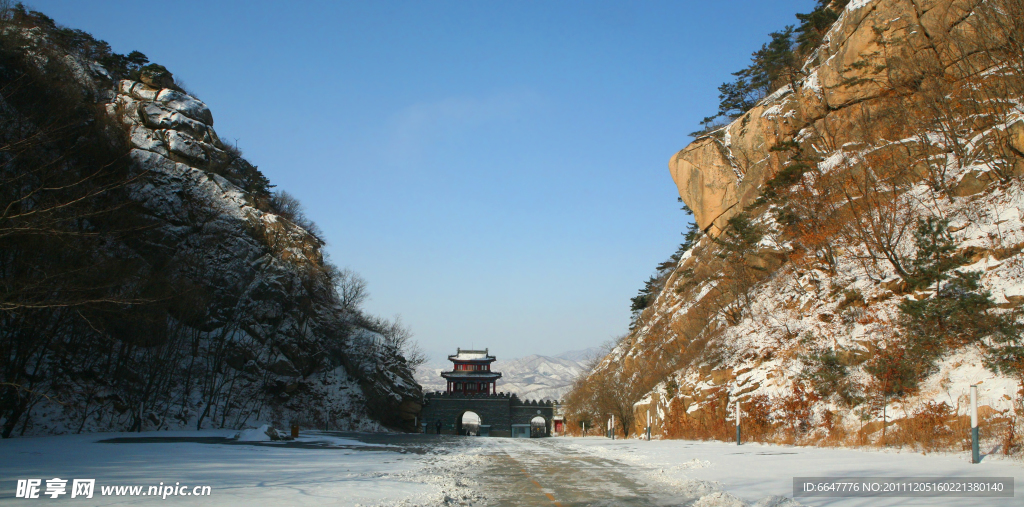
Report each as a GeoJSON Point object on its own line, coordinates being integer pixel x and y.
{"type": "Point", "coordinates": [720, 174]}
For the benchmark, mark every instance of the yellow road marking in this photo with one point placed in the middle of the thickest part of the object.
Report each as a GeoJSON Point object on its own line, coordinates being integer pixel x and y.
{"type": "Point", "coordinates": [535, 483]}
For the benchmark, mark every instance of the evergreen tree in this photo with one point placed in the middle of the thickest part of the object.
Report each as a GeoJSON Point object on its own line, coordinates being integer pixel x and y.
{"type": "Point", "coordinates": [827, 374]}
{"type": "Point", "coordinates": [653, 286]}
{"type": "Point", "coordinates": [136, 60]}
{"type": "Point", "coordinates": [956, 315]}
{"type": "Point", "coordinates": [962, 313]}
{"type": "Point", "coordinates": [776, 64]}
{"type": "Point", "coordinates": [895, 369]}
{"type": "Point", "coordinates": [1006, 353]}
{"type": "Point", "coordinates": [643, 299]}
{"type": "Point", "coordinates": [740, 236]}
{"type": "Point", "coordinates": [815, 24]}
{"type": "Point", "coordinates": [772, 66]}
{"type": "Point", "coordinates": [686, 209]}
{"type": "Point", "coordinates": [936, 252]}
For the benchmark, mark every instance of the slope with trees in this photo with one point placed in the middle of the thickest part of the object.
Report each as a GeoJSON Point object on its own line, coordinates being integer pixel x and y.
{"type": "Point", "coordinates": [150, 277]}
{"type": "Point", "coordinates": [859, 262]}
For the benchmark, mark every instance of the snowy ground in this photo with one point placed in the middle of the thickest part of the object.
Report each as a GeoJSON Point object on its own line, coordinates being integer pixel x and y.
{"type": "Point", "coordinates": [381, 469]}
{"type": "Point", "coordinates": [755, 473]}
{"type": "Point", "coordinates": [316, 470]}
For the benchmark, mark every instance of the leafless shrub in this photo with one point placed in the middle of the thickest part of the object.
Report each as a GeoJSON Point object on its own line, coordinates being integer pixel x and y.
{"type": "Point", "coordinates": [288, 206]}
{"type": "Point", "coordinates": [351, 289]}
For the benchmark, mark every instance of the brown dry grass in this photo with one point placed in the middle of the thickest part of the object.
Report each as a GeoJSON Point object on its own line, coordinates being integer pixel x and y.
{"type": "Point", "coordinates": [932, 427]}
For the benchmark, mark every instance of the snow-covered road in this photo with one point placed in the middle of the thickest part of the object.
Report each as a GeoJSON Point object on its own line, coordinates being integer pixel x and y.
{"type": "Point", "coordinates": [382, 469]}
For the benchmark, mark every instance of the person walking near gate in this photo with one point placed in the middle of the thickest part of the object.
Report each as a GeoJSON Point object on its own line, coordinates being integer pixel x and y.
{"type": "Point", "coordinates": [438, 425]}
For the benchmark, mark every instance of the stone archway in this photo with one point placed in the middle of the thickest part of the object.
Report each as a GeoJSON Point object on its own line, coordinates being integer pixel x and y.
{"type": "Point", "coordinates": [538, 427]}
{"type": "Point", "coordinates": [468, 423]}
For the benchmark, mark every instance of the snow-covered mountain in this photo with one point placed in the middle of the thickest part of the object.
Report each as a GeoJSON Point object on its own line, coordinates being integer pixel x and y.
{"type": "Point", "coordinates": [533, 377]}
{"type": "Point", "coordinates": [191, 295]}
{"type": "Point", "coordinates": [783, 299]}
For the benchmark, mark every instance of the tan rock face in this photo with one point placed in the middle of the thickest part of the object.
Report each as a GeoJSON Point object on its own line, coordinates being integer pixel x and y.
{"type": "Point", "coordinates": [705, 180]}
{"type": "Point", "coordinates": [1016, 137]}
{"type": "Point", "coordinates": [718, 175]}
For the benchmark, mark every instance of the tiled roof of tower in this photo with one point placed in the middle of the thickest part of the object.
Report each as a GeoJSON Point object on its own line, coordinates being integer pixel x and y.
{"type": "Point", "coordinates": [472, 375]}
{"type": "Point", "coordinates": [471, 355]}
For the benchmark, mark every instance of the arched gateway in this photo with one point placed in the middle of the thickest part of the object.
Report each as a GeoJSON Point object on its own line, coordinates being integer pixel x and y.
{"type": "Point", "coordinates": [468, 424]}
{"type": "Point", "coordinates": [472, 387]}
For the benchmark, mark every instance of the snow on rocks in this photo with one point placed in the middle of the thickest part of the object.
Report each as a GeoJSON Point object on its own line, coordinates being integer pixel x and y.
{"type": "Point", "coordinates": [857, 4]}
{"type": "Point", "coordinates": [156, 116]}
{"type": "Point", "coordinates": [186, 146]}
{"type": "Point", "coordinates": [208, 225]}
{"type": "Point", "coordinates": [798, 310]}
{"type": "Point", "coordinates": [185, 104]}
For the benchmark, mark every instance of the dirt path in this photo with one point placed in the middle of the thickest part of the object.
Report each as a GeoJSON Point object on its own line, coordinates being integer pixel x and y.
{"type": "Point", "coordinates": [538, 472]}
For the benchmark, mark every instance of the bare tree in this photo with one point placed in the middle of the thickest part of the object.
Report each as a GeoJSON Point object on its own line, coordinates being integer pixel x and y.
{"type": "Point", "coordinates": [350, 288]}
{"type": "Point", "coordinates": [289, 206]}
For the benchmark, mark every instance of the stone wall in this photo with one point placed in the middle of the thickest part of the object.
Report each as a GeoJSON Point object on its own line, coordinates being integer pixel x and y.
{"type": "Point", "coordinates": [522, 413]}
{"type": "Point", "coordinates": [499, 411]}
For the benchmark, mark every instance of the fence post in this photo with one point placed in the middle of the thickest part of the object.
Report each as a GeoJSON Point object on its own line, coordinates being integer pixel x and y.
{"type": "Point", "coordinates": [975, 451]}
{"type": "Point", "coordinates": [738, 440]}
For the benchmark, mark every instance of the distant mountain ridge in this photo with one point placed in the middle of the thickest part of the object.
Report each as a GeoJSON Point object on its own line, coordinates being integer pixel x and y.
{"type": "Point", "coordinates": [533, 377]}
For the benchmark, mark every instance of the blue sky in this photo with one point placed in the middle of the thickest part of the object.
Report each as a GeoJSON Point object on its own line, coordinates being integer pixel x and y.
{"type": "Point", "coordinates": [496, 171]}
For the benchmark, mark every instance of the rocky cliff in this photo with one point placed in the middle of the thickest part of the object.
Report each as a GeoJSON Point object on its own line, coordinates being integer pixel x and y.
{"type": "Point", "coordinates": [214, 307]}
{"type": "Point", "coordinates": [836, 214]}
{"type": "Point", "coordinates": [856, 68]}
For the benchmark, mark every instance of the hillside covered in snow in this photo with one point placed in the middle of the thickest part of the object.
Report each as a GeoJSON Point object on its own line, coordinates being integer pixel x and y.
{"type": "Point", "coordinates": [856, 262]}
{"type": "Point", "coordinates": [149, 277]}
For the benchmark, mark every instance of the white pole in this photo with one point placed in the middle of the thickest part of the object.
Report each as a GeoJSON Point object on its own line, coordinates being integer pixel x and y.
{"type": "Point", "coordinates": [738, 412]}
{"type": "Point", "coordinates": [975, 451]}
{"type": "Point", "coordinates": [974, 406]}
{"type": "Point", "coordinates": [612, 427]}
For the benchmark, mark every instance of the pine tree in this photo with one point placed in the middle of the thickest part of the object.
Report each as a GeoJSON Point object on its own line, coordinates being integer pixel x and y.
{"type": "Point", "coordinates": [827, 374]}
{"type": "Point", "coordinates": [896, 370]}
{"type": "Point", "coordinates": [936, 252]}
{"type": "Point", "coordinates": [960, 313]}
{"type": "Point", "coordinates": [956, 315]}
{"type": "Point", "coordinates": [776, 64]}
{"type": "Point", "coordinates": [737, 97]}
{"type": "Point", "coordinates": [814, 25]}
{"type": "Point", "coordinates": [740, 236]}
